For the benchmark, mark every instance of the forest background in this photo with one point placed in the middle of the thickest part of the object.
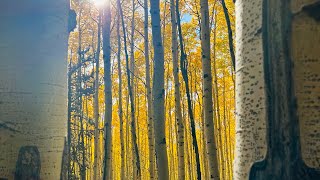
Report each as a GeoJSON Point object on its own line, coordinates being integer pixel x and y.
{"type": "Point", "coordinates": [130, 133]}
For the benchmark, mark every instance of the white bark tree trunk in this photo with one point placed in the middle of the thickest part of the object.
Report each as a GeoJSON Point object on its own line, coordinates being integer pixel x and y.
{"type": "Point", "coordinates": [177, 96]}
{"type": "Point", "coordinates": [277, 88]}
{"type": "Point", "coordinates": [120, 108]}
{"type": "Point", "coordinates": [149, 93]}
{"type": "Point", "coordinates": [136, 155]}
{"type": "Point", "coordinates": [131, 71]}
{"type": "Point", "coordinates": [33, 86]}
{"type": "Point", "coordinates": [96, 166]}
{"type": "Point", "coordinates": [250, 93]}
{"type": "Point", "coordinates": [107, 173]}
{"type": "Point", "coordinates": [158, 92]}
{"type": "Point", "coordinates": [207, 92]}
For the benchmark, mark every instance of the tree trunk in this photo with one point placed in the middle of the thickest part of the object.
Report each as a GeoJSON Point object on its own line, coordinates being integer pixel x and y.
{"type": "Point", "coordinates": [120, 109]}
{"type": "Point", "coordinates": [96, 167]}
{"type": "Point", "coordinates": [283, 39]}
{"type": "Point", "coordinates": [207, 91]}
{"type": "Point", "coordinates": [149, 95]}
{"type": "Point", "coordinates": [250, 145]}
{"type": "Point", "coordinates": [177, 96]}
{"type": "Point", "coordinates": [227, 135]}
{"type": "Point", "coordinates": [136, 156]}
{"type": "Point", "coordinates": [108, 92]}
{"type": "Point", "coordinates": [217, 103]}
{"type": "Point", "coordinates": [132, 94]}
{"type": "Point", "coordinates": [33, 88]}
{"type": "Point", "coordinates": [128, 163]}
{"type": "Point", "coordinates": [159, 92]}
{"type": "Point", "coordinates": [184, 72]}
{"type": "Point", "coordinates": [231, 143]}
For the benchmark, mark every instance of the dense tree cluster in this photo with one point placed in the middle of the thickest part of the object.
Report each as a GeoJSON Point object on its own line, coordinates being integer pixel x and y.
{"type": "Point", "coordinates": [157, 87]}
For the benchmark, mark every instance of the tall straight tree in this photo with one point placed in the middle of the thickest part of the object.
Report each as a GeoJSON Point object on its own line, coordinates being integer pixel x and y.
{"type": "Point", "coordinates": [158, 92]}
{"type": "Point", "coordinates": [132, 46]}
{"type": "Point", "coordinates": [207, 91]}
{"type": "Point", "coordinates": [33, 88]}
{"type": "Point", "coordinates": [96, 165]}
{"type": "Point", "coordinates": [136, 161]}
{"type": "Point", "coordinates": [120, 108]}
{"type": "Point", "coordinates": [107, 91]}
{"type": "Point", "coordinates": [277, 84]}
{"type": "Point", "coordinates": [177, 96]}
{"type": "Point", "coordinates": [184, 72]}
{"type": "Point", "coordinates": [255, 111]}
{"type": "Point", "coordinates": [149, 95]}
{"type": "Point", "coordinates": [132, 95]}
{"type": "Point", "coordinates": [216, 96]}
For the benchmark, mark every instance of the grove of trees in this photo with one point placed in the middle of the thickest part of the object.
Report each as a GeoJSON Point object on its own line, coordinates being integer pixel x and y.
{"type": "Point", "coordinates": [154, 112]}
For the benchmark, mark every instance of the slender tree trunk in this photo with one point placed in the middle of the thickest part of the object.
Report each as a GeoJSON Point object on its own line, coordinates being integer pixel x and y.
{"type": "Point", "coordinates": [159, 92]}
{"type": "Point", "coordinates": [128, 168]}
{"type": "Point", "coordinates": [184, 71]}
{"type": "Point", "coordinates": [96, 105]}
{"type": "Point", "coordinates": [149, 95]}
{"type": "Point", "coordinates": [217, 102]}
{"type": "Point", "coordinates": [136, 158]}
{"type": "Point", "coordinates": [131, 71]}
{"type": "Point", "coordinates": [107, 166]}
{"type": "Point", "coordinates": [226, 131]}
{"type": "Point", "coordinates": [132, 45]}
{"type": "Point", "coordinates": [120, 109]}
{"type": "Point", "coordinates": [207, 91]}
{"type": "Point", "coordinates": [187, 152]}
{"type": "Point", "coordinates": [231, 141]}
{"type": "Point", "coordinates": [177, 100]}
{"type": "Point", "coordinates": [168, 120]}
{"type": "Point", "coordinates": [171, 136]}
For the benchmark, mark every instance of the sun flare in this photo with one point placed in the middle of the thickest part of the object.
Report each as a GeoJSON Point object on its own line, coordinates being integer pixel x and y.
{"type": "Point", "coordinates": [99, 3]}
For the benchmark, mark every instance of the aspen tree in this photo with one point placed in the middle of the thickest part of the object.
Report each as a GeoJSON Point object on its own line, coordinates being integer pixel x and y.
{"type": "Point", "coordinates": [158, 92]}
{"type": "Point", "coordinates": [149, 93]}
{"type": "Point", "coordinates": [177, 96]}
{"type": "Point", "coordinates": [136, 156]}
{"type": "Point", "coordinates": [120, 108]}
{"type": "Point", "coordinates": [33, 88]}
{"type": "Point", "coordinates": [184, 72]}
{"type": "Point", "coordinates": [96, 166]}
{"type": "Point", "coordinates": [107, 166]}
{"type": "Point", "coordinates": [276, 109]}
{"type": "Point", "coordinates": [207, 91]}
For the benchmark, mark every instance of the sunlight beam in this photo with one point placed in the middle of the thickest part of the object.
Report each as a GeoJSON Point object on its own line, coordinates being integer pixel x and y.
{"type": "Point", "coordinates": [99, 3]}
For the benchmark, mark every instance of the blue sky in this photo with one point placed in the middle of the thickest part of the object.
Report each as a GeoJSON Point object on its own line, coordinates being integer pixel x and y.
{"type": "Point", "coordinates": [186, 17]}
